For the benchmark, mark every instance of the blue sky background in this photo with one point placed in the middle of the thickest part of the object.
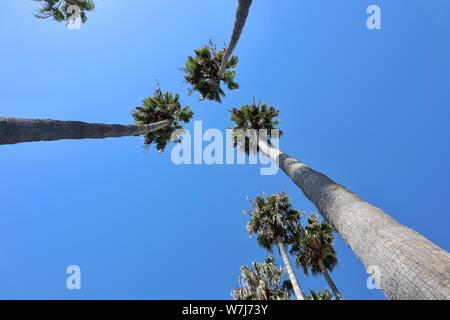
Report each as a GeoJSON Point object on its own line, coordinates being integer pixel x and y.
{"type": "Point", "coordinates": [368, 108]}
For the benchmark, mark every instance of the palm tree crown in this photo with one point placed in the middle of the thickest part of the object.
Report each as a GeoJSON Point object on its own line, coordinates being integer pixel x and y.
{"type": "Point", "coordinates": [162, 106]}
{"type": "Point", "coordinates": [254, 116]}
{"type": "Point", "coordinates": [271, 218]}
{"type": "Point", "coordinates": [262, 282]}
{"type": "Point", "coordinates": [314, 244]}
{"type": "Point", "coordinates": [325, 294]}
{"type": "Point", "coordinates": [201, 71]}
{"type": "Point", "coordinates": [58, 9]}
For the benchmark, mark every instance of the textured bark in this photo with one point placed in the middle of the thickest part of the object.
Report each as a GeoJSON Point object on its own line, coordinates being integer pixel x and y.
{"type": "Point", "coordinates": [241, 17]}
{"type": "Point", "coordinates": [330, 281]}
{"type": "Point", "coordinates": [411, 267]}
{"type": "Point", "coordinates": [14, 130]}
{"type": "Point", "coordinates": [290, 271]}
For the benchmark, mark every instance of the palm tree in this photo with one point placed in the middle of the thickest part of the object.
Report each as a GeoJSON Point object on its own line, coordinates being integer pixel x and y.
{"type": "Point", "coordinates": [270, 219]}
{"type": "Point", "coordinates": [319, 295]}
{"type": "Point", "coordinates": [201, 71]}
{"type": "Point", "coordinates": [59, 10]}
{"type": "Point", "coordinates": [411, 267]}
{"type": "Point", "coordinates": [262, 282]}
{"type": "Point", "coordinates": [313, 248]}
{"type": "Point", "coordinates": [14, 130]}
{"type": "Point", "coordinates": [241, 17]}
{"type": "Point", "coordinates": [156, 119]}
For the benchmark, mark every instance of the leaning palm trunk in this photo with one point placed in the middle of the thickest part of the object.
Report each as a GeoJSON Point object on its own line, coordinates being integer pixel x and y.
{"type": "Point", "coordinates": [290, 271]}
{"type": "Point", "coordinates": [241, 17]}
{"type": "Point", "coordinates": [407, 265]}
{"type": "Point", "coordinates": [14, 130]}
{"type": "Point", "coordinates": [330, 281]}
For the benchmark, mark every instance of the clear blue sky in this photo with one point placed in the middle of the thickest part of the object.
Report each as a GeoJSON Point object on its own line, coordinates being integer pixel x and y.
{"type": "Point", "coordinates": [368, 108]}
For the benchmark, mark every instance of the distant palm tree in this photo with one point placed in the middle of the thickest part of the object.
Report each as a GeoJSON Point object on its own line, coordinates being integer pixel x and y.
{"type": "Point", "coordinates": [241, 17]}
{"type": "Point", "coordinates": [319, 295]}
{"type": "Point", "coordinates": [156, 119]}
{"type": "Point", "coordinates": [60, 10]}
{"type": "Point", "coordinates": [262, 282]}
{"type": "Point", "coordinates": [411, 267]}
{"type": "Point", "coordinates": [201, 71]}
{"type": "Point", "coordinates": [313, 248]}
{"type": "Point", "coordinates": [270, 219]}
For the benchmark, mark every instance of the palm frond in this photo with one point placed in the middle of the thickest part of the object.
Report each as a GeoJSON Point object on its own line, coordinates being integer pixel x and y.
{"type": "Point", "coordinates": [201, 72]}
{"type": "Point", "coordinates": [325, 294]}
{"type": "Point", "coordinates": [313, 244]}
{"type": "Point", "coordinates": [59, 9]}
{"type": "Point", "coordinates": [263, 281]}
{"type": "Point", "coordinates": [159, 107]}
{"type": "Point", "coordinates": [253, 122]}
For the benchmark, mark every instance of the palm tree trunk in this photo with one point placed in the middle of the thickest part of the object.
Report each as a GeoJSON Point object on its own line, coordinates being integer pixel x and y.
{"type": "Point", "coordinates": [411, 266]}
{"type": "Point", "coordinates": [14, 130]}
{"type": "Point", "coordinates": [290, 271]}
{"type": "Point", "coordinates": [330, 281]}
{"type": "Point", "coordinates": [241, 17]}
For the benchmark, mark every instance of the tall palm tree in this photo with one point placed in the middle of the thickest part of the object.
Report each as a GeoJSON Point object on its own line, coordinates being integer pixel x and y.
{"type": "Point", "coordinates": [411, 267]}
{"type": "Point", "coordinates": [313, 248]}
{"type": "Point", "coordinates": [241, 18]}
{"type": "Point", "coordinates": [59, 10]}
{"type": "Point", "coordinates": [262, 282]}
{"type": "Point", "coordinates": [13, 130]}
{"type": "Point", "coordinates": [270, 219]}
{"type": "Point", "coordinates": [319, 295]}
{"type": "Point", "coordinates": [201, 71]}
{"type": "Point", "coordinates": [159, 116]}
